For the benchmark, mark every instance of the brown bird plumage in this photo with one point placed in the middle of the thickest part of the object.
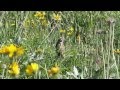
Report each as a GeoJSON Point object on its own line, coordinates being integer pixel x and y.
{"type": "Point", "coordinates": [60, 48]}
{"type": "Point", "coordinates": [78, 37]}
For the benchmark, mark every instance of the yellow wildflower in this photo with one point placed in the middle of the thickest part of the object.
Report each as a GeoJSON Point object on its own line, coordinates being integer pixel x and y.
{"type": "Point", "coordinates": [4, 50]}
{"type": "Point", "coordinates": [71, 29]}
{"type": "Point", "coordinates": [56, 17]}
{"type": "Point", "coordinates": [12, 49]}
{"type": "Point", "coordinates": [29, 70]}
{"type": "Point", "coordinates": [54, 70]}
{"type": "Point", "coordinates": [32, 68]}
{"type": "Point", "coordinates": [39, 14]}
{"type": "Point", "coordinates": [14, 69]}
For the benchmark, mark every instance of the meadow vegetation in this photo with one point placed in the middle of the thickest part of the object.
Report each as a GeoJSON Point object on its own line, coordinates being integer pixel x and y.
{"type": "Point", "coordinates": [28, 44]}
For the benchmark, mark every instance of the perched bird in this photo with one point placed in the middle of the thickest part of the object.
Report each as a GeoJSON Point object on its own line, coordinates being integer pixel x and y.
{"type": "Point", "coordinates": [60, 47]}
{"type": "Point", "coordinates": [78, 37]}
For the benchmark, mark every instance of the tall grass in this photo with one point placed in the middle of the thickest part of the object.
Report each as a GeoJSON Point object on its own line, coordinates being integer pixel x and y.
{"type": "Point", "coordinates": [92, 58]}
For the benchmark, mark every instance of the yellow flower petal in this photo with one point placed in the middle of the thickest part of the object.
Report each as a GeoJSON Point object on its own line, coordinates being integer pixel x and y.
{"type": "Point", "coordinates": [34, 67]}
{"type": "Point", "coordinates": [29, 70]}
{"type": "Point", "coordinates": [14, 68]}
{"type": "Point", "coordinates": [55, 70]}
{"type": "Point", "coordinates": [56, 17]}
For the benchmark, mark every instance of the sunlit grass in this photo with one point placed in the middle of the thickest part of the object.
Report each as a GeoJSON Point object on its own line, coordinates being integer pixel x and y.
{"type": "Point", "coordinates": [29, 38]}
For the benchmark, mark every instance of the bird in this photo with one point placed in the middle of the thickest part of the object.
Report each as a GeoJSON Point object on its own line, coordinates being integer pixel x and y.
{"type": "Point", "coordinates": [60, 47]}
{"type": "Point", "coordinates": [78, 37]}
